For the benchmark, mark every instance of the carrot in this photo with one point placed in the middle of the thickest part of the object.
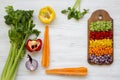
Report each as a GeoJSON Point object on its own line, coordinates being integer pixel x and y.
{"type": "Point", "coordinates": [80, 71]}
{"type": "Point", "coordinates": [101, 50]}
{"type": "Point", "coordinates": [46, 49]}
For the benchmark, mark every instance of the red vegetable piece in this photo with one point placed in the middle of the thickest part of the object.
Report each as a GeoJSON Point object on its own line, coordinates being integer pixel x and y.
{"type": "Point", "coordinates": [101, 35]}
{"type": "Point", "coordinates": [34, 45]}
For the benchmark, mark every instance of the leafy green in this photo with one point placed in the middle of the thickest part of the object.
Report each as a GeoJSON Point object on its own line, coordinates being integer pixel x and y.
{"type": "Point", "coordinates": [74, 12]}
{"type": "Point", "coordinates": [21, 27]}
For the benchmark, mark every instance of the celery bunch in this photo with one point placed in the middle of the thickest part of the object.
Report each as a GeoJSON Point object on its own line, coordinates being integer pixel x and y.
{"type": "Point", "coordinates": [21, 27]}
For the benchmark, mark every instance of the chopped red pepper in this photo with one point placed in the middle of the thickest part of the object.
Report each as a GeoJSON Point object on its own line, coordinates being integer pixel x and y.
{"type": "Point", "coordinates": [34, 45]}
{"type": "Point", "coordinates": [101, 35]}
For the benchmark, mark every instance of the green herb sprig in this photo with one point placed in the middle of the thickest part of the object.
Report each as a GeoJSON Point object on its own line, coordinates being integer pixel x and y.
{"type": "Point", "coordinates": [74, 12]}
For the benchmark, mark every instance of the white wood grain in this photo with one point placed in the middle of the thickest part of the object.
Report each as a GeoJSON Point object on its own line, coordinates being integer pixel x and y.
{"type": "Point", "coordinates": [68, 39]}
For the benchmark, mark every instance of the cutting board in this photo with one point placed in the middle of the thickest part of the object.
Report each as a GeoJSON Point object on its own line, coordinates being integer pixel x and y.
{"type": "Point", "coordinates": [99, 15]}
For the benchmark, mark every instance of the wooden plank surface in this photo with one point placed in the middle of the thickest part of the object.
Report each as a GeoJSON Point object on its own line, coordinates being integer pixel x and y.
{"type": "Point", "coordinates": [68, 39]}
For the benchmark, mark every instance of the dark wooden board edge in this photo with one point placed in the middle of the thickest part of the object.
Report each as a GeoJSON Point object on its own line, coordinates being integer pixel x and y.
{"type": "Point", "coordinates": [94, 18]}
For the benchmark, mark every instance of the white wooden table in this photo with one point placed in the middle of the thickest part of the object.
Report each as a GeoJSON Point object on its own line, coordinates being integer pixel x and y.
{"type": "Point", "coordinates": [68, 39]}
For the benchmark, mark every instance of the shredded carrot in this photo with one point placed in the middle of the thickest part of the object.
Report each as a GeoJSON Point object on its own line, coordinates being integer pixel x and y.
{"type": "Point", "coordinates": [81, 71]}
{"type": "Point", "coordinates": [46, 48]}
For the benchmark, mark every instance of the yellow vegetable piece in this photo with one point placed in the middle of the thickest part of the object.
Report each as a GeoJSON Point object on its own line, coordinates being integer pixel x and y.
{"type": "Point", "coordinates": [100, 43]}
{"type": "Point", "coordinates": [46, 15]}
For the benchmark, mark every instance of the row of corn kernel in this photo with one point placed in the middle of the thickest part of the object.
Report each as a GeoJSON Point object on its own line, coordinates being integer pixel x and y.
{"type": "Point", "coordinates": [101, 51]}
{"type": "Point", "coordinates": [100, 43]}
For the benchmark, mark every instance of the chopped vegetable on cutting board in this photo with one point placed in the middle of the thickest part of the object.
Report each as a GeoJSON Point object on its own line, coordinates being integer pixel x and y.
{"type": "Point", "coordinates": [100, 38]}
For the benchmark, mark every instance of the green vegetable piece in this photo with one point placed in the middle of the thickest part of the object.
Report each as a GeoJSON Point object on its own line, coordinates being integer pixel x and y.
{"type": "Point", "coordinates": [101, 26]}
{"type": "Point", "coordinates": [75, 12]}
{"type": "Point", "coordinates": [64, 11]}
{"type": "Point", "coordinates": [21, 27]}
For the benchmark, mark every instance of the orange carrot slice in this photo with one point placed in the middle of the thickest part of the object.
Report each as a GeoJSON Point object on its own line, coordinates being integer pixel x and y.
{"type": "Point", "coordinates": [81, 71]}
{"type": "Point", "coordinates": [46, 49]}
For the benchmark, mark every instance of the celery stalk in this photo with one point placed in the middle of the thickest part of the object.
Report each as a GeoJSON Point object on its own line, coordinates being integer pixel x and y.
{"type": "Point", "coordinates": [21, 27]}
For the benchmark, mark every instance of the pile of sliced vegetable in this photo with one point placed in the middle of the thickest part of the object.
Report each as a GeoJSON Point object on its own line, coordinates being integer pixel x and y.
{"type": "Point", "coordinates": [101, 43]}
